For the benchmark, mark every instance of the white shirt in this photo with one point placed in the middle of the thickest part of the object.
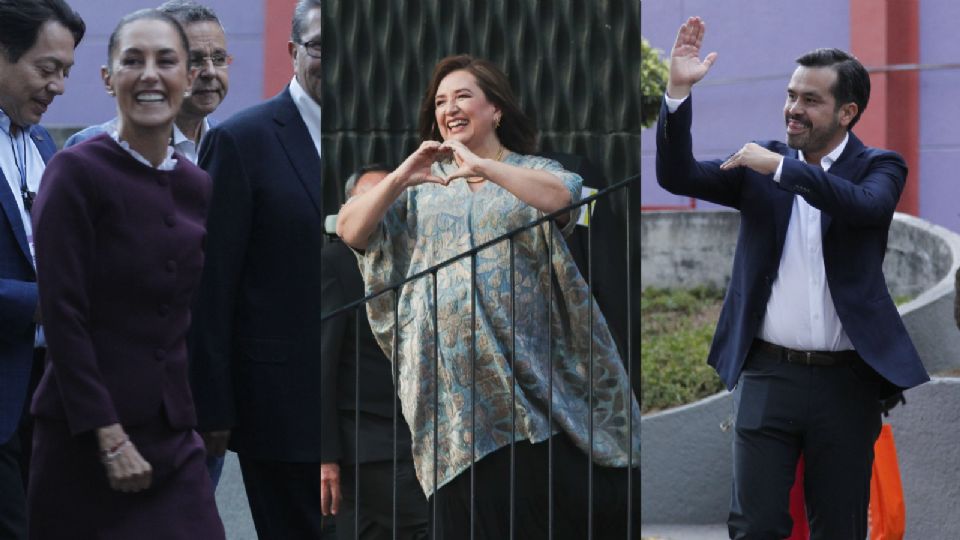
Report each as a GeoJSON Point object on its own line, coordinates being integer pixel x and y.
{"type": "Point", "coordinates": [15, 149]}
{"type": "Point", "coordinates": [185, 146]}
{"type": "Point", "coordinates": [800, 313]}
{"type": "Point", "coordinates": [309, 111]}
{"type": "Point", "coordinates": [169, 162]}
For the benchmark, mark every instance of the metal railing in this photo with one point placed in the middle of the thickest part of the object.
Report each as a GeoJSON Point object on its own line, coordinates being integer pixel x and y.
{"type": "Point", "coordinates": [627, 354]}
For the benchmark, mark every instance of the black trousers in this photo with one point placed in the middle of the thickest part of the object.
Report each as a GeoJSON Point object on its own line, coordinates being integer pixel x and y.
{"type": "Point", "coordinates": [15, 465]}
{"type": "Point", "coordinates": [285, 500]}
{"type": "Point", "coordinates": [374, 521]}
{"type": "Point", "coordinates": [829, 413]}
{"type": "Point", "coordinates": [531, 514]}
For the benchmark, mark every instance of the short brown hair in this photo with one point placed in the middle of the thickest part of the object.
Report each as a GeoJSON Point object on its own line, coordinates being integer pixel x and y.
{"type": "Point", "coordinates": [517, 131]}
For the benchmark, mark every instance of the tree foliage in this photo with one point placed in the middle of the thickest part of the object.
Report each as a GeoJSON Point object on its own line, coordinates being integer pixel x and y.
{"type": "Point", "coordinates": [653, 82]}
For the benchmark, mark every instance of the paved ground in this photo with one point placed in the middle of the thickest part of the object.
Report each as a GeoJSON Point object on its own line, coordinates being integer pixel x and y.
{"type": "Point", "coordinates": [232, 502]}
{"type": "Point", "coordinates": [684, 532]}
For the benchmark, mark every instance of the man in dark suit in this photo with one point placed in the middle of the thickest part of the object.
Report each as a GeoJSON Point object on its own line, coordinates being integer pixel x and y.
{"type": "Point", "coordinates": [808, 334]}
{"type": "Point", "coordinates": [37, 40]}
{"type": "Point", "coordinates": [362, 424]}
{"type": "Point", "coordinates": [255, 339]}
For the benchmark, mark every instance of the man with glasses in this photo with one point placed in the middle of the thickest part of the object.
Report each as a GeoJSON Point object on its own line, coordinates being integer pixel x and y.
{"type": "Point", "coordinates": [208, 55]}
{"type": "Point", "coordinates": [256, 335]}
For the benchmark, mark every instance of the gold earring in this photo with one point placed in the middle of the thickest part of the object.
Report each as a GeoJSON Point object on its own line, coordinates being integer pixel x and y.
{"type": "Point", "coordinates": [498, 122]}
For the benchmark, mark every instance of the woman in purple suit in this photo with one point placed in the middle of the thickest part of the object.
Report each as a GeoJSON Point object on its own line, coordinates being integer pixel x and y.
{"type": "Point", "coordinates": [119, 227]}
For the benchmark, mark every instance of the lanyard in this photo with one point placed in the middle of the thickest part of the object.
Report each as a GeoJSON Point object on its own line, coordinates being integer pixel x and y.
{"type": "Point", "coordinates": [25, 193]}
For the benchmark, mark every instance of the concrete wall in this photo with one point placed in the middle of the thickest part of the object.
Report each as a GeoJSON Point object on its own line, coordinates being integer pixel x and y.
{"type": "Point", "coordinates": [686, 458]}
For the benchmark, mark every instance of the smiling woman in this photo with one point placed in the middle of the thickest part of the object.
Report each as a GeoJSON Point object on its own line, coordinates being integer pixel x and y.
{"type": "Point", "coordinates": [119, 225]}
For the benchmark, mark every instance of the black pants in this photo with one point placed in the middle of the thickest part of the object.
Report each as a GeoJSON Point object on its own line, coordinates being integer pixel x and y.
{"type": "Point", "coordinates": [15, 464]}
{"type": "Point", "coordinates": [531, 514]}
{"type": "Point", "coordinates": [375, 518]}
{"type": "Point", "coordinates": [832, 415]}
{"type": "Point", "coordinates": [285, 500]}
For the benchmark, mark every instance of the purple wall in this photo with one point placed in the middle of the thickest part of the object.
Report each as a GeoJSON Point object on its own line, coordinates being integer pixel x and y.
{"type": "Point", "coordinates": [754, 40]}
{"type": "Point", "coordinates": [939, 114]}
{"type": "Point", "coordinates": [85, 102]}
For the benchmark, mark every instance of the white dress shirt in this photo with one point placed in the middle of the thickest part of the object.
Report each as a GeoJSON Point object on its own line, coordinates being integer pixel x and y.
{"type": "Point", "coordinates": [800, 313]}
{"type": "Point", "coordinates": [309, 111]}
{"type": "Point", "coordinates": [19, 152]}
{"type": "Point", "coordinates": [185, 146]}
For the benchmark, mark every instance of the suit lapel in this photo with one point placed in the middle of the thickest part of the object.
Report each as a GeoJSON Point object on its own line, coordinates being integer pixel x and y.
{"type": "Point", "coordinates": [783, 206]}
{"type": "Point", "coordinates": [8, 201]}
{"type": "Point", "coordinates": [297, 144]}
{"type": "Point", "coordinates": [843, 168]}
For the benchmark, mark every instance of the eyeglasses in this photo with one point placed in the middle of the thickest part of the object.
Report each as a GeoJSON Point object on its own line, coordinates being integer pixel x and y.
{"type": "Point", "coordinates": [313, 48]}
{"type": "Point", "coordinates": [219, 60]}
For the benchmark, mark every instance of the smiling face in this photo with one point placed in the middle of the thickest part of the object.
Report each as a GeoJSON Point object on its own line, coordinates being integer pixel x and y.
{"type": "Point", "coordinates": [463, 112]}
{"type": "Point", "coordinates": [815, 124]}
{"type": "Point", "coordinates": [207, 41]}
{"type": "Point", "coordinates": [148, 75]}
{"type": "Point", "coordinates": [28, 86]}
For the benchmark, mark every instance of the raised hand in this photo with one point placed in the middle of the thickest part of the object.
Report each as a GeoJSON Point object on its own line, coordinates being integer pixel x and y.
{"type": "Point", "coordinates": [686, 68]}
{"type": "Point", "coordinates": [753, 156]}
{"type": "Point", "coordinates": [415, 169]}
{"type": "Point", "coordinates": [470, 163]}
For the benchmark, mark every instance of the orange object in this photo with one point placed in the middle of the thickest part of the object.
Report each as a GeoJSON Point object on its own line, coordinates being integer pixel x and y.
{"type": "Point", "coordinates": [888, 514]}
{"type": "Point", "coordinates": [798, 510]}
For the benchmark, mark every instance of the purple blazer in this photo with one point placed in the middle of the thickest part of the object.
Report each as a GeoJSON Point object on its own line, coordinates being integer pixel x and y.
{"type": "Point", "coordinates": [119, 249]}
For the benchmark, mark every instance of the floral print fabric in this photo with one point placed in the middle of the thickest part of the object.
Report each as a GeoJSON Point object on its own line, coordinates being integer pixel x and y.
{"type": "Point", "coordinates": [431, 223]}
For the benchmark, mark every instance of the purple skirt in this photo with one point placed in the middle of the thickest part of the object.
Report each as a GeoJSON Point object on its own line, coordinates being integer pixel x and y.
{"type": "Point", "coordinates": [69, 498]}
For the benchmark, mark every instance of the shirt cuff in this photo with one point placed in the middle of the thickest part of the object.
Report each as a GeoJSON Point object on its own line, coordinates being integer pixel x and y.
{"type": "Point", "coordinates": [673, 104]}
{"type": "Point", "coordinates": [776, 175]}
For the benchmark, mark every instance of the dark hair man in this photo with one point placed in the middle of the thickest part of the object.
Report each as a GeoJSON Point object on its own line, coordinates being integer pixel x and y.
{"type": "Point", "coordinates": [209, 56]}
{"type": "Point", "coordinates": [37, 40]}
{"type": "Point", "coordinates": [255, 339]}
{"type": "Point", "coordinates": [808, 335]}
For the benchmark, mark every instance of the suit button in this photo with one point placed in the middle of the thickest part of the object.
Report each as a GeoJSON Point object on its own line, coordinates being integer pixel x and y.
{"type": "Point", "coordinates": [171, 266]}
{"type": "Point", "coordinates": [160, 354]}
{"type": "Point", "coordinates": [169, 220]}
{"type": "Point", "coordinates": [164, 310]}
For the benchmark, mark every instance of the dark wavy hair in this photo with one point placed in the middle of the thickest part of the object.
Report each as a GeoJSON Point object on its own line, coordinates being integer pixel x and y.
{"type": "Point", "coordinates": [517, 132]}
{"type": "Point", "coordinates": [20, 22]}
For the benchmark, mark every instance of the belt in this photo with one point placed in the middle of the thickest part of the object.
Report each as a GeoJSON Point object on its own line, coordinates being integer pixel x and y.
{"type": "Point", "coordinates": [807, 358]}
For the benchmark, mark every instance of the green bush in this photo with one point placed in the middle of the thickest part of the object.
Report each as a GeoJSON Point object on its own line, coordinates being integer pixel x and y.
{"type": "Point", "coordinates": [676, 328]}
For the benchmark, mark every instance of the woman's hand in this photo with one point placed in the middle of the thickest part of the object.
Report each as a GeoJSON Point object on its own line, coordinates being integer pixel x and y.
{"type": "Point", "coordinates": [127, 471]}
{"type": "Point", "coordinates": [470, 164]}
{"type": "Point", "coordinates": [415, 170]}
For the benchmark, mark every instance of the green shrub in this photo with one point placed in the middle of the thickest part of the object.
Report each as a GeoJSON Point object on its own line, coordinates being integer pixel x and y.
{"type": "Point", "coordinates": [676, 328]}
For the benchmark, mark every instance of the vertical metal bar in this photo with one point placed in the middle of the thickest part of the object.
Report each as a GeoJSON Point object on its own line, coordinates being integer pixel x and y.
{"type": "Point", "coordinates": [436, 401]}
{"type": "Point", "coordinates": [589, 208]}
{"type": "Point", "coordinates": [473, 394]}
{"type": "Point", "coordinates": [550, 497]}
{"type": "Point", "coordinates": [630, 306]}
{"type": "Point", "coordinates": [396, 391]}
{"type": "Point", "coordinates": [513, 394]}
{"type": "Point", "coordinates": [356, 422]}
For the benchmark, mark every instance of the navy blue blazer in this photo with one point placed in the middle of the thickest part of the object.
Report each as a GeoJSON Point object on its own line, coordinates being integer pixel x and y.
{"type": "Point", "coordinates": [18, 299]}
{"type": "Point", "coordinates": [255, 335]}
{"type": "Point", "coordinates": [857, 198]}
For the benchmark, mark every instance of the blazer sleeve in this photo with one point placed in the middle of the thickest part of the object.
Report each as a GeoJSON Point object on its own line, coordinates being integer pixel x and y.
{"type": "Point", "coordinates": [332, 332]}
{"type": "Point", "coordinates": [869, 202]}
{"type": "Point", "coordinates": [65, 240]}
{"type": "Point", "coordinates": [677, 170]}
{"type": "Point", "coordinates": [228, 229]}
